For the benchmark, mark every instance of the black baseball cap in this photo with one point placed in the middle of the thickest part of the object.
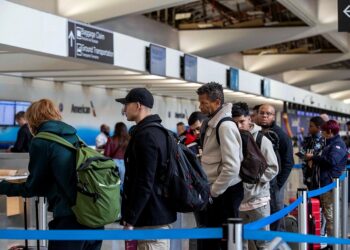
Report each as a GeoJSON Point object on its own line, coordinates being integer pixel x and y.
{"type": "Point", "coordinates": [141, 95]}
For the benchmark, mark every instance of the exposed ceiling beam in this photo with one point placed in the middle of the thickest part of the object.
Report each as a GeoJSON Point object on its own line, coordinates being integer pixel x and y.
{"type": "Point", "coordinates": [330, 87]}
{"type": "Point", "coordinates": [306, 10]}
{"type": "Point", "coordinates": [316, 12]}
{"type": "Point", "coordinates": [308, 77]}
{"type": "Point", "coordinates": [341, 95]}
{"type": "Point", "coordinates": [274, 64]}
{"type": "Point", "coordinates": [210, 43]}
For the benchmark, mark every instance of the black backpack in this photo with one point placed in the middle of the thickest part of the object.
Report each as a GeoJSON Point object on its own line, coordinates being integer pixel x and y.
{"type": "Point", "coordinates": [254, 163]}
{"type": "Point", "coordinates": [275, 140]}
{"type": "Point", "coordinates": [183, 180]}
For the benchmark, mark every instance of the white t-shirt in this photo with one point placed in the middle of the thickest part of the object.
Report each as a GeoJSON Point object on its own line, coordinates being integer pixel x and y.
{"type": "Point", "coordinates": [101, 140]}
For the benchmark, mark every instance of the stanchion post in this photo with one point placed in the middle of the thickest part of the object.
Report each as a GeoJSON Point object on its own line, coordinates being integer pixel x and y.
{"type": "Point", "coordinates": [234, 234]}
{"type": "Point", "coordinates": [336, 211]}
{"type": "Point", "coordinates": [43, 218]}
{"type": "Point", "coordinates": [345, 208]}
{"type": "Point", "coordinates": [302, 216]}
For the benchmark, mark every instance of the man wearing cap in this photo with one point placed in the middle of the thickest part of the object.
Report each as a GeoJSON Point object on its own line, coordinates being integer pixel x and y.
{"type": "Point", "coordinates": [142, 205]}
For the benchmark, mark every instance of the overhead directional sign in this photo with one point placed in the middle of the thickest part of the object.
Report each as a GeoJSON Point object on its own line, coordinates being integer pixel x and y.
{"type": "Point", "coordinates": [90, 43]}
{"type": "Point", "coordinates": [343, 15]}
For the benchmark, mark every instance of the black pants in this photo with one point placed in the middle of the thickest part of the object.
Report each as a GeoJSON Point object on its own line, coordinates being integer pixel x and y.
{"type": "Point", "coordinates": [277, 204]}
{"type": "Point", "coordinates": [223, 207]}
{"type": "Point", "coordinates": [68, 223]}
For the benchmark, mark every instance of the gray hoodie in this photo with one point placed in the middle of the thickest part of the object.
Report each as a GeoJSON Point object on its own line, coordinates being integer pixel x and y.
{"type": "Point", "coordinates": [253, 193]}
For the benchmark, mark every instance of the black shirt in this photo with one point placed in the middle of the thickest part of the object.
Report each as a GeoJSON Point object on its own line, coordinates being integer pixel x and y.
{"type": "Point", "coordinates": [23, 140]}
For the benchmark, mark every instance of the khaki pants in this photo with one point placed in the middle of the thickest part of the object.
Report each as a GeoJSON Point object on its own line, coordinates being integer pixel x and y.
{"type": "Point", "coordinates": [161, 244]}
{"type": "Point", "coordinates": [251, 216]}
{"type": "Point", "coordinates": [327, 209]}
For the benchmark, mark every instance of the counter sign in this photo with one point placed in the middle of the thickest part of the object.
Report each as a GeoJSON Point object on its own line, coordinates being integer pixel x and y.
{"type": "Point", "coordinates": [90, 43]}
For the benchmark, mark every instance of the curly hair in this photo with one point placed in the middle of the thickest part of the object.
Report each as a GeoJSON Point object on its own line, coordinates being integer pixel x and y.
{"type": "Point", "coordinates": [39, 112]}
{"type": "Point", "coordinates": [214, 91]}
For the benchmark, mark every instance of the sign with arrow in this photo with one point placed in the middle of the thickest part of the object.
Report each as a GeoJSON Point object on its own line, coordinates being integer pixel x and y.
{"type": "Point", "coordinates": [343, 15]}
{"type": "Point", "coordinates": [90, 43]}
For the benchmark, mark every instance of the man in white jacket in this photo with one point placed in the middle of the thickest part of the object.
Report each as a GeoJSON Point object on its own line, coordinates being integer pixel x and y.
{"type": "Point", "coordinates": [255, 204]}
{"type": "Point", "coordinates": [221, 162]}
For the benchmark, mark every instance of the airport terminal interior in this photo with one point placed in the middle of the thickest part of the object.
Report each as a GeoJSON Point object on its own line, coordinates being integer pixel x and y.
{"type": "Point", "coordinates": [82, 55]}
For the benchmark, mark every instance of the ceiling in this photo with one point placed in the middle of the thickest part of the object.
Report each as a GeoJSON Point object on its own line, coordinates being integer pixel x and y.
{"type": "Point", "coordinates": [293, 41]}
{"type": "Point", "coordinates": [249, 34]}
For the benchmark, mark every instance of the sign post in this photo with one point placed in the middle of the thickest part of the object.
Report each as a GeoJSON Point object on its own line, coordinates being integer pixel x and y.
{"type": "Point", "coordinates": [90, 43]}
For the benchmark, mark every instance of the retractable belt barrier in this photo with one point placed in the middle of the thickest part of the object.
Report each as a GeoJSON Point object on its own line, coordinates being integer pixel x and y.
{"type": "Point", "coordinates": [250, 231]}
{"type": "Point", "coordinates": [117, 234]}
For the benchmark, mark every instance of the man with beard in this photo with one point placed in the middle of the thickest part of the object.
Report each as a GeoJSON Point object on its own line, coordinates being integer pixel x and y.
{"type": "Point", "coordinates": [266, 119]}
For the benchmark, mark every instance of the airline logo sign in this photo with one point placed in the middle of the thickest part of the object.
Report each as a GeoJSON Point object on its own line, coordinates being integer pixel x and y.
{"type": "Point", "coordinates": [90, 43]}
{"type": "Point", "coordinates": [343, 15]}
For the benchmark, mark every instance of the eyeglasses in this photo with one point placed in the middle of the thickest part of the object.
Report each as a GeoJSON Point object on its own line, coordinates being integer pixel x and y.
{"type": "Point", "coordinates": [266, 113]}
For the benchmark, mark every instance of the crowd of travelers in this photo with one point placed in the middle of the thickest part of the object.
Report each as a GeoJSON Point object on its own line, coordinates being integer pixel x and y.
{"type": "Point", "coordinates": [213, 134]}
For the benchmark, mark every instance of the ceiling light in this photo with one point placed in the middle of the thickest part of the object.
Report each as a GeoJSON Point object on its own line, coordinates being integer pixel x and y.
{"type": "Point", "coordinates": [153, 77]}
{"type": "Point", "coordinates": [181, 16]}
{"type": "Point", "coordinates": [255, 13]}
{"type": "Point", "coordinates": [347, 101]}
{"type": "Point", "coordinates": [205, 25]}
{"type": "Point", "coordinates": [271, 23]}
{"type": "Point", "coordinates": [249, 96]}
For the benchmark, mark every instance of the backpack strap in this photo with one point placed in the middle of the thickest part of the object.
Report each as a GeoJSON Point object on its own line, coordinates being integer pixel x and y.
{"type": "Point", "coordinates": [218, 126]}
{"type": "Point", "coordinates": [53, 137]}
{"type": "Point", "coordinates": [259, 139]}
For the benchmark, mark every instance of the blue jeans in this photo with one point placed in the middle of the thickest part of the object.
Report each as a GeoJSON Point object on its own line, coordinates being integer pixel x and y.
{"type": "Point", "coordinates": [121, 168]}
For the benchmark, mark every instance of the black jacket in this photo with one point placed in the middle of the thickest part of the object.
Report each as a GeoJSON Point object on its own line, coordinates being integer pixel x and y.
{"type": "Point", "coordinates": [52, 171]}
{"type": "Point", "coordinates": [142, 204]}
{"type": "Point", "coordinates": [23, 140]}
{"type": "Point", "coordinates": [332, 160]}
{"type": "Point", "coordinates": [285, 151]}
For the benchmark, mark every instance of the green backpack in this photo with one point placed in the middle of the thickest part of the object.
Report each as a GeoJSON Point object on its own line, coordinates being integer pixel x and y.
{"type": "Point", "coordinates": [98, 184]}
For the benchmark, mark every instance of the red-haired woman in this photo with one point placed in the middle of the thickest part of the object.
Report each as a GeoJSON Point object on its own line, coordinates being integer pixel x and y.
{"type": "Point", "coordinates": [330, 162]}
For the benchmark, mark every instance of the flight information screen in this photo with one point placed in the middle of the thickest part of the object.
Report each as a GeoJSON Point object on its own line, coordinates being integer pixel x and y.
{"type": "Point", "coordinates": [21, 106]}
{"type": "Point", "coordinates": [190, 68]}
{"type": "Point", "coordinates": [157, 60]}
{"type": "Point", "coordinates": [7, 113]}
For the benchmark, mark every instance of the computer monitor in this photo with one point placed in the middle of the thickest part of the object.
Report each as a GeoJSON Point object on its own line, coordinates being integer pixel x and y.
{"type": "Point", "coordinates": [7, 113]}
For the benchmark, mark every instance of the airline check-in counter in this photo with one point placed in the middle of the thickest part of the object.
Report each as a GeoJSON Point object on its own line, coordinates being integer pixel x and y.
{"type": "Point", "coordinates": [14, 168]}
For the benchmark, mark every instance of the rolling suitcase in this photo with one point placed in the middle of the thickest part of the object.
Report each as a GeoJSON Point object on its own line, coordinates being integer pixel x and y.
{"type": "Point", "coordinates": [313, 219]}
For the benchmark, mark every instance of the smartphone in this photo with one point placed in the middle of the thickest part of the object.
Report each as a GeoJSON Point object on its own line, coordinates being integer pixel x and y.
{"type": "Point", "coordinates": [300, 154]}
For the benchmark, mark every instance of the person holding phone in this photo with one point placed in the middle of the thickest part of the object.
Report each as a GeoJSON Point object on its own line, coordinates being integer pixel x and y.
{"type": "Point", "coordinates": [331, 163]}
{"type": "Point", "coordinates": [313, 144]}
